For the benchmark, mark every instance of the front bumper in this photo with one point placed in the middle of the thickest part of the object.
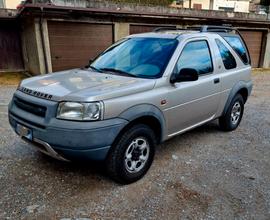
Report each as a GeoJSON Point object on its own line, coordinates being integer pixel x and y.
{"type": "Point", "coordinates": [67, 140]}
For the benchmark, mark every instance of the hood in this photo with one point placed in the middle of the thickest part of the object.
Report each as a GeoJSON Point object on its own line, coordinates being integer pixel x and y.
{"type": "Point", "coordinates": [83, 85]}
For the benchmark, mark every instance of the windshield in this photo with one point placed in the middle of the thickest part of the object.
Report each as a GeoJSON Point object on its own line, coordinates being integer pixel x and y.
{"type": "Point", "coordinates": [138, 57]}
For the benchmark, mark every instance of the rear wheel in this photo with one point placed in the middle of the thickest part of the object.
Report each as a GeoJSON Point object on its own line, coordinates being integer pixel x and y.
{"type": "Point", "coordinates": [233, 116]}
{"type": "Point", "coordinates": [132, 155]}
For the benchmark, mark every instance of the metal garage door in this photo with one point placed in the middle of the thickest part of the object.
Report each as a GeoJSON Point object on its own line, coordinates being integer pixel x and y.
{"type": "Point", "coordinates": [253, 40]}
{"type": "Point", "coordinates": [135, 29]}
{"type": "Point", "coordinates": [74, 44]}
{"type": "Point", "coordinates": [10, 47]}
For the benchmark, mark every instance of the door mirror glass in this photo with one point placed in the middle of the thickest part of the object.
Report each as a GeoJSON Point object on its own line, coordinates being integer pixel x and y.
{"type": "Point", "coordinates": [185, 75]}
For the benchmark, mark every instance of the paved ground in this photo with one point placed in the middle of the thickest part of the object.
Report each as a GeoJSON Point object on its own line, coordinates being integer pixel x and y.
{"type": "Point", "coordinates": [203, 174]}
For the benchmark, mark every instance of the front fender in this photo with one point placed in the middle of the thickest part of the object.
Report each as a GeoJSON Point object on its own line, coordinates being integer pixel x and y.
{"type": "Point", "coordinates": [142, 110]}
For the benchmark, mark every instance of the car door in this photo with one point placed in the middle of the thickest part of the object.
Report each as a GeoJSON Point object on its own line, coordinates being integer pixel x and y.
{"type": "Point", "coordinates": [193, 103]}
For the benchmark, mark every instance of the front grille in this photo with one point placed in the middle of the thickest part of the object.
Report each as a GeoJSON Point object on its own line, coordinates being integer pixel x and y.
{"type": "Point", "coordinates": [30, 107]}
{"type": "Point", "coordinates": [23, 120]}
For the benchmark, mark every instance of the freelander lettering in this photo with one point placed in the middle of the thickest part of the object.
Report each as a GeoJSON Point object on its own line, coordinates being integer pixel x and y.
{"type": "Point", "coordinates": [35, 93]}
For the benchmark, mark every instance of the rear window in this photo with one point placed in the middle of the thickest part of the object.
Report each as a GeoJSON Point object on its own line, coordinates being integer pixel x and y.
{"type": "Point", "coordinates": [239, 48]}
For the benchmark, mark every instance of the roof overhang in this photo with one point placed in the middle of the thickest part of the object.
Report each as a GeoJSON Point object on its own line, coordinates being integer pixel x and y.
{"type": "Point", "coordinates": [179, 14]}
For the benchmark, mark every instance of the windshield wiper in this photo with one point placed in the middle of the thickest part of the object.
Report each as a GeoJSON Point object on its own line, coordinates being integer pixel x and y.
{"type": "Point", "coordinates": [94, 68]}
{"type": "Point", "coordinates": [121, 72]}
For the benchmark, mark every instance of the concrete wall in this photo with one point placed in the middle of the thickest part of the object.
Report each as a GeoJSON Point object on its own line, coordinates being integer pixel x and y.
{"type": "Point", "coordinates": [137, 8]}
{"type": "Point", "coordinates": [266, 63]}
{"type": "Point", "coordinates": [120, 30]}
{"type": "Point", "coordinates": [7, 13]}
{"type": "Point", "coordinates": [2, 4]}
{"type": "Point", "coordinates": [33, 53]}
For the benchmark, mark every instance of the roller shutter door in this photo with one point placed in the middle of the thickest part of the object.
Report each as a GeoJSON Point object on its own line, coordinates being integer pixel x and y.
{"type": "Point", "coordinates": [253, 40]}
{"type": "Point", "coordinates": [10, 47]}
{"type": "Point", "coordinates": [74, 44]}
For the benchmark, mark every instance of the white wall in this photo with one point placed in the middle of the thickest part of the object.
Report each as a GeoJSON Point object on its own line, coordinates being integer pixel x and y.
{"type": "Point", "coordinates": [12, 4]}
{"type": "Point", "coordinates": [238, 6]}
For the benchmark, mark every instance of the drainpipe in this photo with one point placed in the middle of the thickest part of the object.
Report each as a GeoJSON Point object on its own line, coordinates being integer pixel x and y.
{"type": "Point", "coordinates": [43, 40]}
{"type": "Point", "coordinates": [211, 6]}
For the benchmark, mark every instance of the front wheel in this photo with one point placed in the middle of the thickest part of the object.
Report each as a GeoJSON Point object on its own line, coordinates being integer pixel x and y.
{"type": "Point", "coordinates": [132, 155]}
{"type": "Point", "coordinates": [233, 116]}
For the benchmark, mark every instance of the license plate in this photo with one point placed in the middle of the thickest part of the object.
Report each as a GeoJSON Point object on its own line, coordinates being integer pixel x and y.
{"type": "Point", "coordinates": [24, 131]}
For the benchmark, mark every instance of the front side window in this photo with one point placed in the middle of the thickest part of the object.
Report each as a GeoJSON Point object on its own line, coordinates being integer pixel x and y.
{"type": "Point", "coordinates": [138, 57]}
{"type": "Point", "coordinates": [227, 57]}
{"type": "Point", "coordinates": [195, 55]}
{"type": "Point", "coordinates": [239, 48]}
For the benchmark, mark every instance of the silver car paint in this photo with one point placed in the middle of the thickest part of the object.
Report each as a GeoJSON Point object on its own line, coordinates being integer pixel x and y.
{"type": "Point", "coordinates": [86, 85]}
{"type": "Point", "coordinates": [188, 104]}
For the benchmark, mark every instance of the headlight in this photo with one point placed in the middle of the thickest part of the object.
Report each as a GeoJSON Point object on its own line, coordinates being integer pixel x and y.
{"type": "Point", "coordinates": [80, 111]}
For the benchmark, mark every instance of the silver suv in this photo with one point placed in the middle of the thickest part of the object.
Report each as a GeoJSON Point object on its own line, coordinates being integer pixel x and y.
{"type": "Point", "coordinates": [141, 91]}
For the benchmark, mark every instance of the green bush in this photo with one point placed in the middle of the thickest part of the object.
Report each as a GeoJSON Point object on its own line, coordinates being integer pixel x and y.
{"type": "Point", "coordinates": [146, 2]}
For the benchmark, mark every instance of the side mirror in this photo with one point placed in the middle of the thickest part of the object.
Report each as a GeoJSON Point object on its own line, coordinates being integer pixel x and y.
{"type": "Point", "coordinates": [185, 75]}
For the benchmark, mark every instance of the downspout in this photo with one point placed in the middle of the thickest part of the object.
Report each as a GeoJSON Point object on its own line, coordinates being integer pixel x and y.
{"type": "Point", "coordinates": [43, 40]}
{"type": "Point", "coordinates": [211, 6]}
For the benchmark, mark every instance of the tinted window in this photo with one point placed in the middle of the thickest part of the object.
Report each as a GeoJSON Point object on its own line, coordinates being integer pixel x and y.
{"type": "Point", "coordinates": [141, 57]}
{"type": "Point", "coordinates": [227, 57]}
{"type": "Point", "coordinates": [196, 55]}
{"type": "Point", "coordinates": [239, 48]}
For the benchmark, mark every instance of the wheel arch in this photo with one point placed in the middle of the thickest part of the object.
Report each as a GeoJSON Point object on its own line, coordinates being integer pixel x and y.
{"type": "Point", "coordinates": [146, 114]}
{"type": "Point", "coordinates": [242, 88]}
{"type": "Point", "coordinates": [244, 93]}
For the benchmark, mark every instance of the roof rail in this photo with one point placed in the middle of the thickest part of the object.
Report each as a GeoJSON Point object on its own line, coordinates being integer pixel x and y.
{"type": "Point", "coordinates": [212, 28]}
{"type": "Point", "coordinates": [168, 29]}
{"type": "Point", "coordinates": [204, 28]}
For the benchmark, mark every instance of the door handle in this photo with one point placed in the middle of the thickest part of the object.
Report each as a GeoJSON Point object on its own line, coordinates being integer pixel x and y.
{"type": "Point", "coordinates": [217, 80]}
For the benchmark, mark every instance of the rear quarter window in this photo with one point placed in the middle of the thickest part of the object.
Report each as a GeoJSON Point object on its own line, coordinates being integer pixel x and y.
{"type": "Point", "coordinates": [227, 57]}
{"type": "Point", "coordinates": [239, 48]}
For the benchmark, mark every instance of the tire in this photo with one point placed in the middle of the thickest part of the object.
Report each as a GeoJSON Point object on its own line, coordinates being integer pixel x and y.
{"type": "Point", "coordinates": [136, 145]}
{"type": "Point", "coordinates": [233, 116]}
